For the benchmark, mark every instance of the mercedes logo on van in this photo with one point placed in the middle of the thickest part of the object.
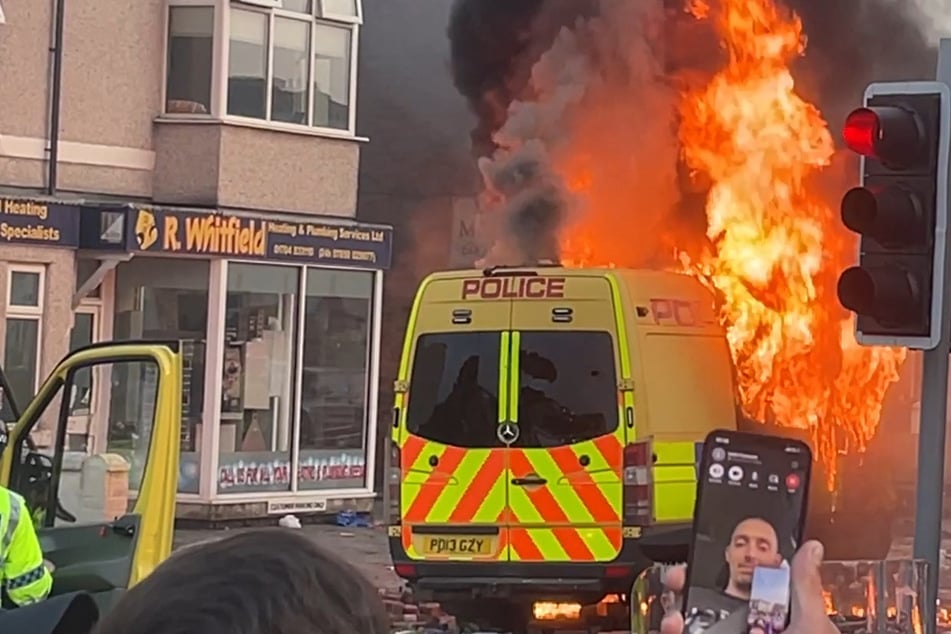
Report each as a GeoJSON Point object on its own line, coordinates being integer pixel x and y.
{"type": "Point", "coordinates": [507, 433]}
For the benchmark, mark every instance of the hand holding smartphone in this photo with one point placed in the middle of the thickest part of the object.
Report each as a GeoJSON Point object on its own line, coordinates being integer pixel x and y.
{"type": "Point", "coordinates": [748, 522]}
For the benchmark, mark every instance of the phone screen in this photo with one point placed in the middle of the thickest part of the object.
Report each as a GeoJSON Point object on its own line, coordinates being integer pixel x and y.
{"type": "Point", "coordinates": [748, 523]}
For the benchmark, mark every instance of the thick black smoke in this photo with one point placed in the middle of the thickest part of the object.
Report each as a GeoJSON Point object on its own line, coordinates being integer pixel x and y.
{"type": "Point", "coordinates": [493, 46]}
{"type": "Point", "coordinates": [854, 42]}
{"type": "Point", "coordinates": [494, 43]}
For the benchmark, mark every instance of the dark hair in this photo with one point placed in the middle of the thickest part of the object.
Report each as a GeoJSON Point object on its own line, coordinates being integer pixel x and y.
{"type": "Point", "coordinates": [266, 581]}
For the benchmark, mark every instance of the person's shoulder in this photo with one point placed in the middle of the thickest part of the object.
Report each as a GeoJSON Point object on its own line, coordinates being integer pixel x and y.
{"type": "Point", "coordinates": [13, 496]}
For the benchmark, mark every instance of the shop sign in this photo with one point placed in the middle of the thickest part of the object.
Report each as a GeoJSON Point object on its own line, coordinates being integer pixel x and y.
{"type": "Point", "coordinates": [25, 221]}
{"type": "Point", "coordinates": [275, 507]}
{"type": "Point", "coordinates": [257, 471]}
{"type": "Point", "coordinates": [215, 234]}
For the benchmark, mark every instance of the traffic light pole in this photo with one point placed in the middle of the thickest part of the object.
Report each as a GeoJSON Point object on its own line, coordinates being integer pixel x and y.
{"type": "Point", "coordinates": [931, 439]}
{"type": "Point", "coordinates": [932, 432]}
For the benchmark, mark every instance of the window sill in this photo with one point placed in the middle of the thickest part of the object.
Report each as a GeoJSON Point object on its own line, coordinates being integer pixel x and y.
{"type": "Point", "coordinates": [242, 122]}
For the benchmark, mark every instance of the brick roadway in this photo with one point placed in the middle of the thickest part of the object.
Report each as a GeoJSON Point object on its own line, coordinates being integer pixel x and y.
{"type": "Point", "coordinates": [366, 548]}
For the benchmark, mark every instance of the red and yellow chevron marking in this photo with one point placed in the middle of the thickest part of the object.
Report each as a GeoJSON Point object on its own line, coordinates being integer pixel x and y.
{"type": "Point", "coordinates": [564, 543]}
{"type": "Point", "coordinates": [466, 486]}
{"type": "Point", "coordinates": [576, 516]}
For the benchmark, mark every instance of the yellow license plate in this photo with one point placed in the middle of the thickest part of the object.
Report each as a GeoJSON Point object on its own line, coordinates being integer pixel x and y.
{"type": "Point", "coordinates": [460, 545]}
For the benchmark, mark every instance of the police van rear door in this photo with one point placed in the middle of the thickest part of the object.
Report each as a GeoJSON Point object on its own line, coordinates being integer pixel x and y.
{"type": "Point", "coordinates": [105, 520]}
{"type": "Point", "coordinates": [566, 465]}
{"type": "Point", "coordinates": [454, 377]}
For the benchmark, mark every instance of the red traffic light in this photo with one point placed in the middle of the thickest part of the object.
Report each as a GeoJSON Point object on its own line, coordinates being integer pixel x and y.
{"type": "Point", "coordinates": [889, 134]}
{"type": "Point", "coordinates": [862, 131]}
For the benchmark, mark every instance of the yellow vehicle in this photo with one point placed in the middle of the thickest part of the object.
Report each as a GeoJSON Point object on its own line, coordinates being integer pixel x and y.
{"type": "Point", "coordinates": [136, 388]}
{"type": "Point", "coordinates": [546, 433]}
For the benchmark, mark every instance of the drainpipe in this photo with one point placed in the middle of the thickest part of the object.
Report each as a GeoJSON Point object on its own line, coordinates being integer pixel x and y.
{"type": "Point", "coordinates": [56, 50]}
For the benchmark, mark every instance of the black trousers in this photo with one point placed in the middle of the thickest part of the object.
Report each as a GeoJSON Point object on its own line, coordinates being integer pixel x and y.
{"type": "Point", "coordinates": [73, 613]}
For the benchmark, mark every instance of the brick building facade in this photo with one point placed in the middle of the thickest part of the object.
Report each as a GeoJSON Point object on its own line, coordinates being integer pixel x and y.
{"type": "Point", "coordinates": [188, 170]}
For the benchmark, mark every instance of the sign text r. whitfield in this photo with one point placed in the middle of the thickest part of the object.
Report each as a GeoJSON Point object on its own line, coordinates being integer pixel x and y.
{"type": "Point", "coordinates": [514, 288]}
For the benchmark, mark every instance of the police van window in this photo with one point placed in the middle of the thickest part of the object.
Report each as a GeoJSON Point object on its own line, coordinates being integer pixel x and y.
{"type": "Point", "coordinates": [453, 390]}
{"type": "Point", "coordinates": [567, 388]}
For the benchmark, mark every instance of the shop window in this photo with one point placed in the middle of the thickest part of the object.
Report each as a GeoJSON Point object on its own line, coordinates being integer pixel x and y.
{"type": "Point", "coordinates": [189, 61]}
{"type": "Point", "coordinates": [334, 378]}
{"type": "Point", "coordinates": [165, 298]}
{"type": "Point", "coordinates": [257, 392]}
{"type": "Point", "coordinates": [24, 328]}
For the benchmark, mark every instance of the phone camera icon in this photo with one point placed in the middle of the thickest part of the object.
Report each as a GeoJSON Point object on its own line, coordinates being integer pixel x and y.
{"type": "Point", "coordinates": [736, 473]}
{"type": "Point", "coordinates": [718, 454]}
{"type": "Point", "coordinates": [716, 471]}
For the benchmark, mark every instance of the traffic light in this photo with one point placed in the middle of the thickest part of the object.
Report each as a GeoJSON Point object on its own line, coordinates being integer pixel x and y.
{"type": "Point", "coordinates": [900, 210]}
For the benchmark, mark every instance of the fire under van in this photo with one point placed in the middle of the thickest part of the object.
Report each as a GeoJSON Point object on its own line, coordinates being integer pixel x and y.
{"type": "Point", "coordinates": [546, 432]}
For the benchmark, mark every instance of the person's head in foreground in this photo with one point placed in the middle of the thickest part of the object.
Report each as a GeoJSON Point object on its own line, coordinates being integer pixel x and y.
{"type": "Point", "coordinates": [754, 542]}
{"type": "Point", "coordinates": [808, 604]}
{"type": "Point", "coordinates": [269, 581]}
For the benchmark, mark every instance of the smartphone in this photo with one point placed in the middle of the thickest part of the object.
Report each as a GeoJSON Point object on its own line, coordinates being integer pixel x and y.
{"type": "Point", "coordinates": [751, 508]}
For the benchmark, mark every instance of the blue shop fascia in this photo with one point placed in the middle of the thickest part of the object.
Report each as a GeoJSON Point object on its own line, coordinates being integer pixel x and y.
{"type": "Point", "coordinates": [279, 316]}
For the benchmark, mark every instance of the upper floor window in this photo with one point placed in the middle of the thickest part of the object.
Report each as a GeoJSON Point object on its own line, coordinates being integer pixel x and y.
{"type": "Point", "coordinates": [190, 58]}
{"type": "Point", "coordinates": [288, 61]}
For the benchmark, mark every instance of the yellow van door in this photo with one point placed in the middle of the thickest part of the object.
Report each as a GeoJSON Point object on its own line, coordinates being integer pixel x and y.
{"type": "Point", "coordinates": [105, 513]}
{"type": "Point", "coordinates": [454, 381]}
{"type": "Point", "coordinates": [566, 465]}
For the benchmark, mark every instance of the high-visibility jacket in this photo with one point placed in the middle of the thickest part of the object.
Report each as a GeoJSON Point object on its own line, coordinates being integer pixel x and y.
{"type": "Point", "coordinates": [25, 577]}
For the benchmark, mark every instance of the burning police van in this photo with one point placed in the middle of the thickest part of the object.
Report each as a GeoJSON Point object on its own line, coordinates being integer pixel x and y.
{"type": "Point", "coordinates": [547, 426]}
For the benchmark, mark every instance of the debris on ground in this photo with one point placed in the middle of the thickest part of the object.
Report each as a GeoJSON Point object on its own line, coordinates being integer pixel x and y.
{"type": "Point", "coordinates": [410, 617]}
{"type": "Point", "coordinates": [354, 519]}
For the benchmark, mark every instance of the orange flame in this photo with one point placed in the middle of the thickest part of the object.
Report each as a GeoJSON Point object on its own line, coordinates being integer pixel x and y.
{"type": "Point", "coordinates": [776, 246]}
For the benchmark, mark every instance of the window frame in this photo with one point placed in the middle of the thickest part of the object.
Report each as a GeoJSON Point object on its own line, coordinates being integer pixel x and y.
{"type": "Point", "coordinates": [27, 313]}
{"type": "Point", "coordinates": [221, 48]}
{"type": "Point", "coordinates": [95, 311]}
{"type": "Point", "coordinates": [215, 6]}
{"type": "Point", "coordinates": [341, 17]}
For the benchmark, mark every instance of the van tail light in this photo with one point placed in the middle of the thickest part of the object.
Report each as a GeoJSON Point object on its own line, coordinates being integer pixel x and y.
{"type": "Point", "coordinates": [638, 484]}
{"type": "Point", "coordinates": [393, 477]}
